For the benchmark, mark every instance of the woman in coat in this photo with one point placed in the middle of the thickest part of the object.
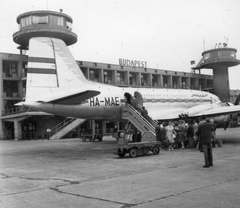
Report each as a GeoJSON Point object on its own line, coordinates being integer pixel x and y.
{"type": "Point", "coordinates": [170, 134]}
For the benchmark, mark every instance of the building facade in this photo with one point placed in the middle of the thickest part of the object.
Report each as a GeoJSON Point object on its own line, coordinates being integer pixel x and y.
{"type": "Point", "coordinates": [22, 123]}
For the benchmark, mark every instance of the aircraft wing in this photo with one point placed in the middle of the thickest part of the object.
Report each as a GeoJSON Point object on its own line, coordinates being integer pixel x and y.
{"type": "Point", "coordinates": [210, 110]}
{"type": "Point", "coordinates": [217, 111]}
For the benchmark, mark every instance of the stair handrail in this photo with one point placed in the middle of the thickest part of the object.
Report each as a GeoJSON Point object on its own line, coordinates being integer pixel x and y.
{"type": "Point", "coordinates": [145, 120]}
{"type": "Point", "coordinates": [61, 125]}
{"type": "Point", "coordinates": [141, 109]}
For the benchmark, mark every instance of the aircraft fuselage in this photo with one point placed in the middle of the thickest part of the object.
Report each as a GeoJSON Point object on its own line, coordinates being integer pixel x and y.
{"type": "Point", "coordinates": [107, 105]}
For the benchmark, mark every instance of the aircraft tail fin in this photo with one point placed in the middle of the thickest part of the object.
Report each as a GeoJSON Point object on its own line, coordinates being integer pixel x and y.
{"type": "Point", "coordinates": [51, 69]}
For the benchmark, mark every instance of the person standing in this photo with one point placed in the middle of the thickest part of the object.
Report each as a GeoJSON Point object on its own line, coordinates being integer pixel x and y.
{"type": "Point", "coordinates": [205, 136]}
{"type": "Point", "coordinates": [163, 131]}
{"type": "Point", "coordinates": [158, 132]}
{"type": "Point", "coordinates": [190, 135]}
{"type": "Point", "coordinates": [170, 132]}
{"type": "Point", "coordinates": [195, 127]}
{"type": "Point", "coordinates": [181, 133]}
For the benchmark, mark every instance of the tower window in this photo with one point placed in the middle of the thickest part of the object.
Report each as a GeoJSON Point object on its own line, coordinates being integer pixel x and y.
{"type": "Point", "coordinates": [40, 20]}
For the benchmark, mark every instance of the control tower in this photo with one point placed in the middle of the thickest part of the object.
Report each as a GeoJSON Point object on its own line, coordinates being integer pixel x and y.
{"type": "Point", "coordinates": [219, 59]}
{"type": "Point", "coordinates": [44, 23]}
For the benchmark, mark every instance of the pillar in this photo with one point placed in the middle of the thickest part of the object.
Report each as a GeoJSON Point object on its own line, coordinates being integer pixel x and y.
{"type": "Point", "coordinates": [221, 83]}
{"type": "Point", "coordinates": [93, 128]}
{"type": "Point", "coordinates": [17, 130]}
{"type": "Point", "coordinates": [104, 127]}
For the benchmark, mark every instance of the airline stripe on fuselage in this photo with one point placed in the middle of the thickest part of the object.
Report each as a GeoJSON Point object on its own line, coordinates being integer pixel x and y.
{"type": "Point", "coordinates": [41, 60]}
{"type": "Point", "coordinates": [172, 100]}
{"type": "Point", "coordinates": [41, 71]}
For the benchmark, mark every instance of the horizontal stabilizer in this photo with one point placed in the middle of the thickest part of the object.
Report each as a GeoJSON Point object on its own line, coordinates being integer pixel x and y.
{"type": "Point", "coordinates": [75, 99]}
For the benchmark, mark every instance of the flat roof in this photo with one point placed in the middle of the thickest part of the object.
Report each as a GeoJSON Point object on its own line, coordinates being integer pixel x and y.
{"type": "Point", "coordinates": [44, 12]}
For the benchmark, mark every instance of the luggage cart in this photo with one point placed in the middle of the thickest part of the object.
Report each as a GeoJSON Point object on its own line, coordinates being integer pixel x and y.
{"type": "Point", "coordinates": [134, 149]}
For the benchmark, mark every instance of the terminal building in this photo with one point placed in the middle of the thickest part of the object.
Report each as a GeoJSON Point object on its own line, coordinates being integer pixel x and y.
{"type": "Point", "coordinates": [22, 123]}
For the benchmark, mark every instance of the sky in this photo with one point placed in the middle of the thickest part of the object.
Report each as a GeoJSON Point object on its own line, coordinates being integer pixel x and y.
{"type": "Point", "coordinates": [167, 34]}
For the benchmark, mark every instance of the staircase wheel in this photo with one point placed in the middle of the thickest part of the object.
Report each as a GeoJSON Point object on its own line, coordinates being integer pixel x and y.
{"type": "Point", "coordinates": [133, 152]}
{"type": "Point", "coordinates": [155, 150]}
{"type": "Point", "coordinates": [121, 153]}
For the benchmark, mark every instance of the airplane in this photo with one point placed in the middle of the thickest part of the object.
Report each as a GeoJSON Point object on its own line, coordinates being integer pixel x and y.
{"type": "Point", "coordinates": [56, 85]}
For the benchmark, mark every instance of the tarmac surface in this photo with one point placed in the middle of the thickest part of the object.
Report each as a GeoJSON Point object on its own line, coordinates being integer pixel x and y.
{"type": "Point", "coordinates": [71, 173]}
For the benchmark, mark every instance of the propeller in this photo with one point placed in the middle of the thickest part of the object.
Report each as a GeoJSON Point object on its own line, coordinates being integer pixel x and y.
{"type": "Point", "coordinates": [227, 122]}
{"type": "Point", "coordinates": [231, 117]}
{"type": "Point", "coordinates": [237, 100]}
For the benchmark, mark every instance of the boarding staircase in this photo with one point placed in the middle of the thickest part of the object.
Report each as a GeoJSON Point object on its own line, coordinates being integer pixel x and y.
{"type": "Point", "coordinates": [65, 127]}
{"type": "Point", "coordinates": [144, 125]}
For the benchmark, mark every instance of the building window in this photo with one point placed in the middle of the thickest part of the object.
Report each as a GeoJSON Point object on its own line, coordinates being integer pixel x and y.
{"type": "Point", "coordinates": [10, 69]}
{"type": "Point", "coordinates": [214, 54]}
{"type": "Point", "coordinates": [56, 20]}
{"type": "Point", "coordinates": [184, 82]}
{"type": "Point", "coordinates": [225, 53]}
{"type": "Point", "coordinates": [94, 75]}
{"type": "Point", "coordinates": [10, 88]}
{"type": "Point", "coordinates": [132, 79]}
{"type": "Point", "coordinates": [209, 83]}
{"type": "Point", "coordinates": [24, 22]}
{"type": "Point", "coordinates": [206, 56]}
{"type": "Point", "coordinates": [120, 78]}
{"type": "Point", "coordinates": [154, 80]}
{"type": "Point", "coordinates": [69, 26]}
{"type": "Point", "coordinates": [84, 71]}
{"type": "Point", "coordinates": [232, 54]}
{"type": "Point", "coordinates": [200, 84]}
{"type": "Point", "coordinates": [10, 104]}
{"type": "Point", "coordinates": [165, 81]}
{"type": "Point", "coordinates": [144, 81]}
{"type": "Point", "coordinates": [174, 82]}
{"type": "Point", "coordinates": [107, 77]}
{"type": "Point", "coordinates": [40, 19]}
{"type": "Point", "coordinates": [192, 83]}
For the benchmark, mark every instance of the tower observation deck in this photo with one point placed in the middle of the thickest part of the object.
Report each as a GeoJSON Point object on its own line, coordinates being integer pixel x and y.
{"type": "Point", "coordinates": [219, 59]}
{"type": "Point", "coordinates": [44, 23]}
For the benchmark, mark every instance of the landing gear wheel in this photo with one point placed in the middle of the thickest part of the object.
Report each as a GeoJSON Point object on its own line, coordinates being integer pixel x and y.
{"type": "Point", "coordinates": [133, 152]}
{"type": "Point", "coordinates": [155, 150]}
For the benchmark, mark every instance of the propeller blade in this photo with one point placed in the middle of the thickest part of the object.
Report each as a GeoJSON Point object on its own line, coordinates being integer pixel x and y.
{"type": "Point", "coordinates": [237, 100]}
{"type": "Point", "coordinates": [226, 124]}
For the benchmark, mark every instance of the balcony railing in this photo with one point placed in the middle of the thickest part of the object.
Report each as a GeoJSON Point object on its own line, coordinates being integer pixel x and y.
{"type": "Point", "coordinates": [16, 110]}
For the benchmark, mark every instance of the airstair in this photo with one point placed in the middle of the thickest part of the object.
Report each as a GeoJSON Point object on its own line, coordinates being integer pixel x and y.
{"type": "Point", "coordinates": [64, 127]}
{"type": "Point", "coordinates": [146, 125]}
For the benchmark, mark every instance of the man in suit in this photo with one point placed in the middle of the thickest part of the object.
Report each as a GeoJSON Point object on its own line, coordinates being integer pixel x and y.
{"type": "Point", "coordinates": [205, 135]}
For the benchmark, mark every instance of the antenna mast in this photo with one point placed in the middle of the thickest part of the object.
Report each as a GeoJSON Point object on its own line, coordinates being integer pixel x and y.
{"type": "Point", "coordinates": [203, 44]}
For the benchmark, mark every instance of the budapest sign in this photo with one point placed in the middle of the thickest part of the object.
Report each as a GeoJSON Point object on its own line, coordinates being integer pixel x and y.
{"type": "Point", "coordinates": [133, 63]}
